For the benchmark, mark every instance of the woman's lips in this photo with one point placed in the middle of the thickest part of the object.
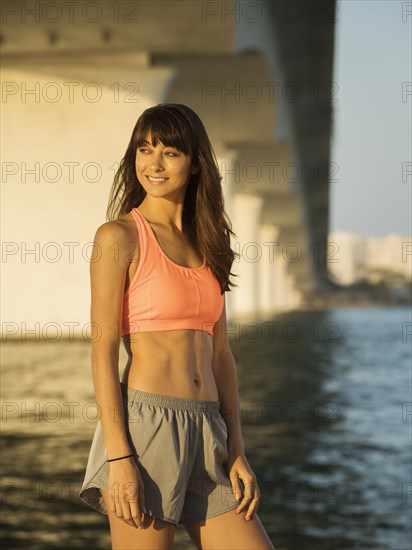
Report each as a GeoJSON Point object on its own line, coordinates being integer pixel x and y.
{"type": "Point", "coordinates": [156, 181]}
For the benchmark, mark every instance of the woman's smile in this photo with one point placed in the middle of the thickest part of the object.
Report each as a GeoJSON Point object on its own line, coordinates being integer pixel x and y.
{"type": "Point", "coordinates": [156, 181]}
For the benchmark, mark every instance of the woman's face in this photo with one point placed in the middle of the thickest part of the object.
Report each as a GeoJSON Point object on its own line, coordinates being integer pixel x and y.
{"type": "Point", "coordinates": [162, 170]}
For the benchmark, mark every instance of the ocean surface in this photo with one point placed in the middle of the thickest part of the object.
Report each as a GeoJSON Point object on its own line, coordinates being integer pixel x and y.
{"type": "Point", "coordinates": [326, 418]}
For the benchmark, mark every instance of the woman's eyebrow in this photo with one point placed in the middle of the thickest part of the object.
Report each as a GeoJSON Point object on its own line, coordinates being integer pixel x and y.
{"type": "Point", "coordinates": [145, 142]}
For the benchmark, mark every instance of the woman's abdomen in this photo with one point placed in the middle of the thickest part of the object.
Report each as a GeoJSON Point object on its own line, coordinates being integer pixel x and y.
{"type": "Point", "coordinates": [176, 363]}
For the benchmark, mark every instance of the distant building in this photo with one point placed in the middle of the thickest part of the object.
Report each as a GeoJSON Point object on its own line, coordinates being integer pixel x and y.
{"type": "Point", "coordinates": [353, 257]}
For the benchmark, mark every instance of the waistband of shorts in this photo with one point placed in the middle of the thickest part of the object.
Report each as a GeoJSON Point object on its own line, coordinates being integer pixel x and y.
{"type": "Point", "coordinates": [169, 401]}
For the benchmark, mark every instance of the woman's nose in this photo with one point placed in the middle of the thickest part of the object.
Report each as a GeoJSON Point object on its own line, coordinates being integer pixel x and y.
{"type": "Point", "coordinates": [157, 162]}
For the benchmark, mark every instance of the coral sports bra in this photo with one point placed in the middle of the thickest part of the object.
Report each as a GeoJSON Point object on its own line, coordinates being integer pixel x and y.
{"type": "Point", "coordinates": [163, 295]}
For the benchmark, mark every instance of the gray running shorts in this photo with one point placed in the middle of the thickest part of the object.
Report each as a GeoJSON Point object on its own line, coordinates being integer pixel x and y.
{"type": "Point", "coordinates": [180, 447]}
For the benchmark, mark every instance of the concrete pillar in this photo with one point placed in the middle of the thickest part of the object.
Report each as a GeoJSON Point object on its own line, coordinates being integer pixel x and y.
{"type": "Point", "coordinates": [247, 212]}
{"type": "Point", "coordinates": [268, 269]}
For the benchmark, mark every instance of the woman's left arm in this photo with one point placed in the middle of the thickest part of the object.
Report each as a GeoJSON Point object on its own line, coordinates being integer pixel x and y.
{"type": "Point", "coordinates": [224, 370]}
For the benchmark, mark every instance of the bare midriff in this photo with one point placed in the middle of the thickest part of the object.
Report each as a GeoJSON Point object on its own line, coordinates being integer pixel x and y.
{"type": "Point", "coordinates": [172, 362]}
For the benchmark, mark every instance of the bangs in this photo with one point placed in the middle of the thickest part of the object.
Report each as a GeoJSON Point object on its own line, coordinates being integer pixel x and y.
{"type": "Point", "coordinates": [165, 128]}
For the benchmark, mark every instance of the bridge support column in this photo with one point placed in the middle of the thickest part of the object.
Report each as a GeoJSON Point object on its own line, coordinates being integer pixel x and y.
{"type": "Point", "coordinates": [247, 214]}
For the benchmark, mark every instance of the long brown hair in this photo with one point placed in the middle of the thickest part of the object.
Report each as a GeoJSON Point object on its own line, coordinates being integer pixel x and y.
{"type": "Point", "coordinates": [176, 125]}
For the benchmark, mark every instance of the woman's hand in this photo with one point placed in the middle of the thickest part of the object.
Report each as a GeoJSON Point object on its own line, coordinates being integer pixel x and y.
{"type": "Point", "coordinates": [238, 467]}
{"type": "Point", "coordinates": [126, 491]}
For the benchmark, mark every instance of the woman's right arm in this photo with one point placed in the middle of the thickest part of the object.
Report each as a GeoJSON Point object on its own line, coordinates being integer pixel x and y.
{"type": "Point", "coordinates": [108, 268]}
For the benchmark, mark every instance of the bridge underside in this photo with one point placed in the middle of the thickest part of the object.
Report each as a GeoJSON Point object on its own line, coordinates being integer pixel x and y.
{"type": "Point", "coordinates": [262, 85]}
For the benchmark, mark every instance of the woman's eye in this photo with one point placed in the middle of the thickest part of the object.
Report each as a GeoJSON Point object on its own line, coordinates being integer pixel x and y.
{"type": "Point", "coordinates": [171, 153]}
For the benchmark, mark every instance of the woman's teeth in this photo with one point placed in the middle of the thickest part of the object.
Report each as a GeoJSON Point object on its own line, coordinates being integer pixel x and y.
{"type": "Point", "coordinates": [156, 180]}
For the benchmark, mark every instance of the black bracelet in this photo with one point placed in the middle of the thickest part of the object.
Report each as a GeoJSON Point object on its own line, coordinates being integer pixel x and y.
{"type": "Point", "coordinates": [120, 458]}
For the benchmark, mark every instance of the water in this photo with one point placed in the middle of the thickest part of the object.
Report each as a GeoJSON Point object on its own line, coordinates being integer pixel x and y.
{"type": "Point", "coordinates": [323, 398]}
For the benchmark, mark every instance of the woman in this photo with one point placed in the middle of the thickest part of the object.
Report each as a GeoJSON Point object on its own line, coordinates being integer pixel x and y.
{"type": "Point", "coordinates": [168, 448]}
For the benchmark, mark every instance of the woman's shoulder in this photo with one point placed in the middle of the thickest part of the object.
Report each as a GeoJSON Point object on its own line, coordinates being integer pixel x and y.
{"type": "Point", "coordinates": [117, 240]}
{"type": "Point", "coordinates": [121, 230]}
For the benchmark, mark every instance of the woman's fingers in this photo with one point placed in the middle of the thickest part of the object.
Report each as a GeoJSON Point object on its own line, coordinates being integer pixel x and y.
{"type": "Point", "coordinates": [135, 508]}
{"type": "Point", "coordinates": [141, 498]}
{"type": "Point", "coordinates": [118, 507]}
{"type": "Point", "coordinates": [127, 515]}
{"type": "Point", "coordinates": [129, 512]}
{"type": "Point", "coordinates": [250, 499]}
{"type": "Point", "coordinates": [112, 504]}
{"type": "Point", "coordinates": [254, 503]}
{"type": "Point", "coordinates": [132, 502]}
{"type": "Point", "coordinates": [136, 514]}
{"type": "Point", "coordinates": [132, 513]}
{"type": "Point", "coordinates": [127, 497]}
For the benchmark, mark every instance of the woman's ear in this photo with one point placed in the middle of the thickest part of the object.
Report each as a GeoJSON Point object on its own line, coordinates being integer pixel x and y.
{"type": "Point", "coordinates": [195, 170]}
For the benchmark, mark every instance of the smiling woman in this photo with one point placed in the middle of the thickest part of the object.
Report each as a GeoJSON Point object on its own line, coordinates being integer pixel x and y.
{"type": "Point", "coordinates": [179, 388]}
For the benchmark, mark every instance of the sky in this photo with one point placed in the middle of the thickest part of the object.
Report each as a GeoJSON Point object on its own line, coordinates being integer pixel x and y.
{"type": "Point", "coordinates": [372, 126]}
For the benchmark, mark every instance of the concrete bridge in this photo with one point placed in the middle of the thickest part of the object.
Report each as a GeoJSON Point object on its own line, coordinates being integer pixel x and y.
{"type": "Point", "coordinates": [75, 78]}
